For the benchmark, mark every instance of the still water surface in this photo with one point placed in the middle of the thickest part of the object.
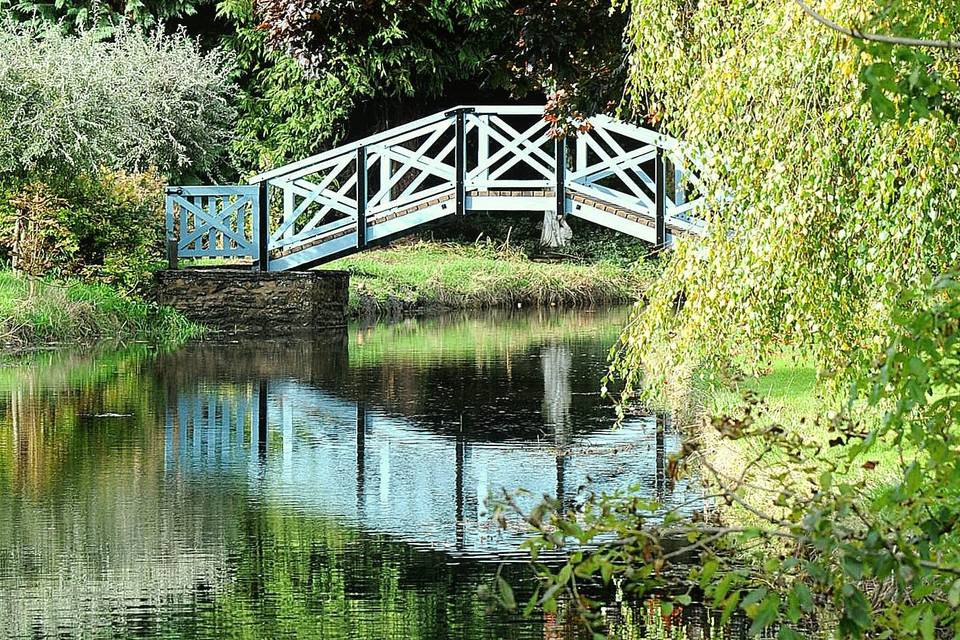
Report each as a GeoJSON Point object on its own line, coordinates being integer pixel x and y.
{"type": "Point", "coordinates": [339, 487]}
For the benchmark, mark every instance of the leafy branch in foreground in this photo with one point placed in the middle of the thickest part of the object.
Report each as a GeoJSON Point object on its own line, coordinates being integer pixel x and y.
{"type": "Point", "coordinates": [824, 538]}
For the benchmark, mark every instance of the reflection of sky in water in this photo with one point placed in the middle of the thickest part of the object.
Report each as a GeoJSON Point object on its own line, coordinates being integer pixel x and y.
{"type": "Point", "coordinates": [328, 455]}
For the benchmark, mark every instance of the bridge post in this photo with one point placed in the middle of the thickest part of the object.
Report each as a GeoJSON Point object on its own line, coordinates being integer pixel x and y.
{"type": "Point", "coordinates": [660, 199]}
{"type": "Point", "coordinates": [263, 226]}
{"type": "Point", "coordinates": [560, 187]}
{"type": "Point", "coordinates": [461, 162]}
{"type": "Point", "coordinates": [483, 147]}
{"type": "Point", "coordinates": [581, 152]}
{"type": "Point", "coordinates": [679, 196]}
{"type": "Point", "coordinates": [362, 197]}
{"type": "Point", "coordinates": [172, 259]}
{"type": "Point", "coordinates": [171, 236]}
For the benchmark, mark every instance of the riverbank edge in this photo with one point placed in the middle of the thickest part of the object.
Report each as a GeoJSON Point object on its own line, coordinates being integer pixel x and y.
{"type": "Point", "coordinates": [423, 278]}
{"type": "Point", "coordinates": [430, 278]}
{"type": "Point", "coordinates": [41, 313]}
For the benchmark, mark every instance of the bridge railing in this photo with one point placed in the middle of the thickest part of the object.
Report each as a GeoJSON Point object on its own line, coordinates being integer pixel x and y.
{"type": "Point", "coordinates": [510, 148]}
{"type": "Point", "coordinates": [483, 158]}
{"type": "Point", "coordinates": [213, 222]}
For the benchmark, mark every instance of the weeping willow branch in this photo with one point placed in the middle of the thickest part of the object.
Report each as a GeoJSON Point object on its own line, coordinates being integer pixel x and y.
{"type": "Point", "coordinates": [876, 37]}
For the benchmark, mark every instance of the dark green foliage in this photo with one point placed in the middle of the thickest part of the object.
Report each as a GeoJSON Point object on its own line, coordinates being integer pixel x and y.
{"type": "Point", "coordinates": [100, 17]}
{"type": "Point", "coordinates": [571, 50]}
{"type": "Point", "coordinates": [324, 70]}
{"type": "Point", "coordinates": [283, 114]}
{"type": "Point", "coordinates": [904, 83]}
{"type": "Point", "coordinates": [389, 48]}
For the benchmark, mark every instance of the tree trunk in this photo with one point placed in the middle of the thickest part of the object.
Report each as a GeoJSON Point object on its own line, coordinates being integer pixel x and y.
{"type": "Point", "coordinates": [556, 231]}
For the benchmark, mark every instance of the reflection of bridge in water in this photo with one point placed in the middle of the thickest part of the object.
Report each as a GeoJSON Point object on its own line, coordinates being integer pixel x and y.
{"type": "Point", "coordinates": [313, 436]}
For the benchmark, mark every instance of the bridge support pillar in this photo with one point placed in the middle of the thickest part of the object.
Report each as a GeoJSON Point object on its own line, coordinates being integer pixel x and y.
{"type": "Point", "coordinates": [263, 227]}
{"type": "Point", "coordinates": [660, 199]}
{"type": "Point", "coordinates": [362, 196]}
{"type": "Point", "coordinates": [560, 185]}
{"type": "Point", "coordinates": [460, 162]}
{"type": "Point", "coordinates": [556, 232]}
{"type": "Point", "coordinates": [257, 303]}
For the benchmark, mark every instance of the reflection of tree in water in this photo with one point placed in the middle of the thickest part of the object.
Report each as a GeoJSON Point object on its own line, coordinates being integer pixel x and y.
{"type": "Point", "coordinates": [92, 528]}
{"type": "Point", "coordinates": [139, 523]}
{"type": "Point", "coordinates": [51, 406]}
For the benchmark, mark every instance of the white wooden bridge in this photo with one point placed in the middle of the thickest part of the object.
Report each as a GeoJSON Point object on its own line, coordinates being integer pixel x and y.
{"type": "Point", "coordinates": [468, 159]}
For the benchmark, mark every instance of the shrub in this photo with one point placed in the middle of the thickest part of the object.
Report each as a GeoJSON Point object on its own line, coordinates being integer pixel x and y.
{"type": "Point", "coordinates": [106, 226]}
{"type": "Point", "coordinates": [75, 104]}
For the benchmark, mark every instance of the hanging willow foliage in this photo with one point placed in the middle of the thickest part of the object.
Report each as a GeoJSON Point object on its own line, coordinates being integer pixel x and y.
{"type": "Point", "coordinates": [825, 204]}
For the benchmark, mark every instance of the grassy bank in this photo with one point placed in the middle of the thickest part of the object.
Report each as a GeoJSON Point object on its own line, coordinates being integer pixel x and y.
{"type": "Point", "coordinates": [38, 312]}
{"type": "Point", "coordinates": [431, 276]}
{"type": "Point", "coordinates": [789, 396]}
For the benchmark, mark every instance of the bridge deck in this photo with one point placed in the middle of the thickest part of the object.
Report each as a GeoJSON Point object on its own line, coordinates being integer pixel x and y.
{"type": "Point", "coordinates": [466, 160]}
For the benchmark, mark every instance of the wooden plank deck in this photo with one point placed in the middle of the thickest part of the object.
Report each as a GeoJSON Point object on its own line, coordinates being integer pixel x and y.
{"type": "Point", "coordinates": [622, 212]}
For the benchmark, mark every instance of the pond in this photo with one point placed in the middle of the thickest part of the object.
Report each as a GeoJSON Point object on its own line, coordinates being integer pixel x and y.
{"type": "Point", "coordinates": [336, 487]}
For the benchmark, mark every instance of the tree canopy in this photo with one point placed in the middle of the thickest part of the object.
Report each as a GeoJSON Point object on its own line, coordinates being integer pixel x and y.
{"type": "Point", "coordinates": [822, 212]}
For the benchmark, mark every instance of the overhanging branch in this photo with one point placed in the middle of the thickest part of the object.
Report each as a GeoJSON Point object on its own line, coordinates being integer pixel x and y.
{"type": "Point", "coordinates": [876, 37]}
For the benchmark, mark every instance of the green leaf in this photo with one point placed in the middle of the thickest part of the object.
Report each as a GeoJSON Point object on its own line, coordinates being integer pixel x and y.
{"type": "Point", "coordinates": [532, 603]}
{"type": "Point", "coordinates": [786, 633]}
{"type": "Point", "coordinates": [853, 567]}
{"type": "Point", "coordinates": [756, 595]}
{"type": "Point", "coordinates": [765, 615]}
{"type": "Point", "coordinates": [882, 105]}
{"type": "Point", "coordinates": [856, 609]}
{"type": "Point", "coordinates": [953, 596]}
{"type": "Point", "coordinates": [928, 625]}
{"type": "Point", "coordinates": [606, 570]}
{"type": "Point", "coordinates": [729, 605]}
{"type": "Point", "coordinates": [506, 594]}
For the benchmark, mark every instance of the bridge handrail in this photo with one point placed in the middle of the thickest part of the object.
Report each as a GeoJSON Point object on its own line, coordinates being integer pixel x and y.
{"type": "Point", "coordinates": [346, 149]}
{"type": "Point", "coordinates": [390, 134]}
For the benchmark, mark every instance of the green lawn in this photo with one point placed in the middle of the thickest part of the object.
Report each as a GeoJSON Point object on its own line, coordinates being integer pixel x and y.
{"type": "Point", "coordinates": [792, 398]}
{"type": "Point", "coordinates": [36, 312]}
{"type": "Point", "coordinates": [431, 276]}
